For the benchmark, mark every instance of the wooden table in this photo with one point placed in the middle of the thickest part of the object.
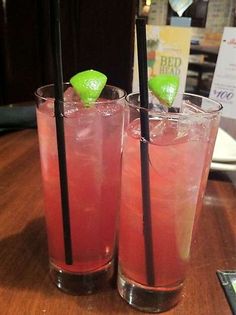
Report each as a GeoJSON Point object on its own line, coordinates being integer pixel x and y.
{"type": "Point", "coordinates": [25, 287]}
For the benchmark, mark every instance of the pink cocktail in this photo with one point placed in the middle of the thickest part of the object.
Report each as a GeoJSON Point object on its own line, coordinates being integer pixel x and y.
{"type": "Point", "coordinates": [179, 155]}
{"type": "Point", "coordinates": [93, 139]}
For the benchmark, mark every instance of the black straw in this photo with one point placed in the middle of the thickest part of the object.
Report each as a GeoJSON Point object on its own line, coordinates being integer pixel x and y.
{"type": "Point", "coordinates": [59, 118]}
{"type": "Point", "coordinates": [145, 180]}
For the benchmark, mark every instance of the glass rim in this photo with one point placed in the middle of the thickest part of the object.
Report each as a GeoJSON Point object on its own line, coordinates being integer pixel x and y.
{"type": "Point", "coordinates": [220, 106]}
{"type": "Point", "coordinates": [43, 98]}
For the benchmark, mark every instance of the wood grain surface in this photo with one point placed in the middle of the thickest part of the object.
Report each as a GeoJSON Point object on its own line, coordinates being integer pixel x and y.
{"type": "Point", "coordinates": [25, 287]}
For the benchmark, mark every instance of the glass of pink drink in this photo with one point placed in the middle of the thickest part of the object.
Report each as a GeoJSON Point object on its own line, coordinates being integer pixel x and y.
{"type": "Point", "coordinates": [179, 155]}
{"type": "Point", "coordinates": [93, 139]}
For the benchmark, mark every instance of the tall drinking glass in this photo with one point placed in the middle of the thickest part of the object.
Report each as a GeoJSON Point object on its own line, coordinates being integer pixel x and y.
{"type": "Point", "coordinates": [153, 261]}
{"type": "Point", "coordinates": [93, 139]}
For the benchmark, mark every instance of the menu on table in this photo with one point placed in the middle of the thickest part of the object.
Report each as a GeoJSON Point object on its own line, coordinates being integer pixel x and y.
{"type": "Point", "coordinates": [223, 88]}
{"type": "Point", "coordinates": [167, 52]}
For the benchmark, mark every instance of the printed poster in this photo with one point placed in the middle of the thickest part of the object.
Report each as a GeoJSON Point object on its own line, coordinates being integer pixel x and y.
{"type": "Point", "coordinates": [223, 88]}
{"type": "Point", "coordinates": [167, 52]}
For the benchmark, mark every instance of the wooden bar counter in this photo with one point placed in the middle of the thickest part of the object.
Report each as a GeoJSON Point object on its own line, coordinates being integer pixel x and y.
{"type": "Point", "coordinates": [25, 286]}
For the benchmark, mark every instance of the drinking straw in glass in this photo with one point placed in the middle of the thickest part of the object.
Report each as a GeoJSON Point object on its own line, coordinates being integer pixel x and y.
{"type": "Point", "coordinates": [145, 181]}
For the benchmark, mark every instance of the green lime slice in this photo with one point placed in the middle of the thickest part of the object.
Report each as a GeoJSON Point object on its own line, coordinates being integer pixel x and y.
{"type": "Point", "coordinates": [89, 85]}
{"type": "Point", "coordinates": [164, 87]}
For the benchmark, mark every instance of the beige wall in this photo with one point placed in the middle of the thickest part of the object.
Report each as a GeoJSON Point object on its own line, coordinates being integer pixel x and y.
{"type": "Point", "coordinates": [220, 14]}
{"type": "Point", "coordinates": [158, 12]}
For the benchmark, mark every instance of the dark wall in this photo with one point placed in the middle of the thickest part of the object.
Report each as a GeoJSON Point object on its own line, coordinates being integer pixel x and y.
{"type": "Point", "coordinates": [96, 34]}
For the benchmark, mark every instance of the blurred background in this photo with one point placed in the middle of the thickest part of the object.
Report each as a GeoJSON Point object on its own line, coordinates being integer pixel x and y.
{"type": "Point", "coordinates": [99, 34]}
{"type": "Point", "coordinates": [96, 34]}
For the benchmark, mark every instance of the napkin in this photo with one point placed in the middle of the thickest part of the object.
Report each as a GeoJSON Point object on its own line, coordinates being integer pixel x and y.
{"type": "Point", "coordinates": [179, 6]}
{"type": "Point", "coordinates": [225, 148]}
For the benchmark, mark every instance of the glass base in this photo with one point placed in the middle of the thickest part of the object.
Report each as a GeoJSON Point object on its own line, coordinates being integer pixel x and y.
{"type": "Point", "coordinates": [82, 283]}
{"type": "Point", "coordinates": [146, 298]}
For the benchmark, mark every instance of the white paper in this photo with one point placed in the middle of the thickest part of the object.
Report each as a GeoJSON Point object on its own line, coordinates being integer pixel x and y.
{"type": "Point", "coordinates": [223, 88]}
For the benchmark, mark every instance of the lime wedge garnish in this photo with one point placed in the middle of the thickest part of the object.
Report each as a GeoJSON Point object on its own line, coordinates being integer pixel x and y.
{"type": "Point", "coordinates": [89, 85]}
{"type": "Point", "coordinates": [164, 87]}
